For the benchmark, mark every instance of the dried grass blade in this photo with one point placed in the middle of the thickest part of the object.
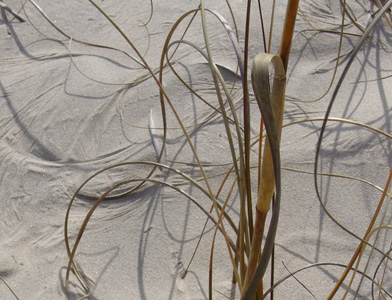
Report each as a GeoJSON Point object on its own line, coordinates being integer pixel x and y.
{"type": "Point", "coordinates": [72, 253]}
{"type": "Point", "coordinates": [322, 130]}
{"type": "Point", "coordinates": [243, 230]}
{"type": "Point", "coordinates": [271, 106]}
{"type": "Point", "coordinates": [52, 23]}
{"type": "Point", "coordinates": [315, 265]}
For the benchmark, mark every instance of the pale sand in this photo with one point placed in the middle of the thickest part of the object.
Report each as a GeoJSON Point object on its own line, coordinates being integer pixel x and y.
{"type": "Point", "coordinates": [57, 127]}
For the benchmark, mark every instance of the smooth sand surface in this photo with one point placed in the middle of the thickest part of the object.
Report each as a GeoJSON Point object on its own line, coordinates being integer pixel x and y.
{"type": "Point", "coordinates": [69, 109]}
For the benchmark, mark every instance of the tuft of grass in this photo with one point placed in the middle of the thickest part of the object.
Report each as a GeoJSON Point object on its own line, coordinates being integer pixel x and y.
{"type": "Point", "coordinates": [250, 236]}
{"type": "Point", "coordinates": [248, 256]}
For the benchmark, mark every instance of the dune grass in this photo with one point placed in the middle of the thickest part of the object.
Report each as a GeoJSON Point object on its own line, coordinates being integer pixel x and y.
{"type": "Point", "coordinates": [250, 238]}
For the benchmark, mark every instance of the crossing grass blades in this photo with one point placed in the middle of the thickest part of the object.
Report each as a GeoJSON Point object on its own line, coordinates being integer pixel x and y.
{"type": "Point", "coordinates": [249, 238]}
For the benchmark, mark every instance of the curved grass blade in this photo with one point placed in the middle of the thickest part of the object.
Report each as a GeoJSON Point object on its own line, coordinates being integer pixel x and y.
{"type": "Point", "coordinates": [243, 232]}
{"type": "Point", "coordinates": [71, 263]}
{"type": "Point", "coordinates": [322, 130]}
{"type": "Point", "coordinates": [377, 230]}
{"type": "Point", "coordinates": [271, 107]}
{"type": "Point", "coordinates": [216, 76]}
{"type": "Point", "coordinates": [387, 256]}
{"type": "Point", "coordinates": [47, 18]}
{"type": "Point", "coordinates": [316, 265]}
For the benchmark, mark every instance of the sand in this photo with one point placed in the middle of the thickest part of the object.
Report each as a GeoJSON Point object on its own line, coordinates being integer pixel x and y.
{"type": "Point", "coordinates": [69, 109]}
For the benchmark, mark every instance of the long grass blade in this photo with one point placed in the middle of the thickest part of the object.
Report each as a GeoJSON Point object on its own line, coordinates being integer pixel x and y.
{"type": "Point", "coordinates": [322, 130]}
{"type": "Point", "coordinates": [243, 236]}
{"type": "Point", "coordinates": [315, 265]}
{"type": "Point", "coordinates": [260, 80]}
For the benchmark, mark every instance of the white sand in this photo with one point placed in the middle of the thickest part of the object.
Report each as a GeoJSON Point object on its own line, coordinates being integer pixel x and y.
{"type": "Point", "coordinates": [58, 127]}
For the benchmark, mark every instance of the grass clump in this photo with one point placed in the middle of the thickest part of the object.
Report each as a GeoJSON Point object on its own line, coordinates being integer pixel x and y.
{"type": "Point", "coordinates": [252, 179]}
